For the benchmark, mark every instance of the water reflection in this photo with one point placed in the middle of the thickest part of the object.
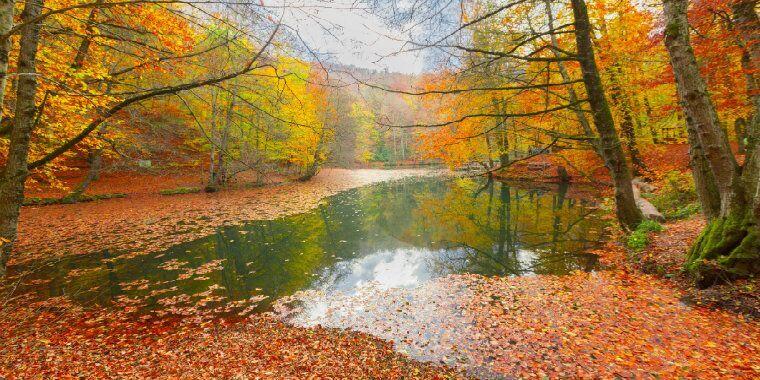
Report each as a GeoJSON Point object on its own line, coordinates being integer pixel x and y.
{"type": "Point", "coordinates": [392, 235]}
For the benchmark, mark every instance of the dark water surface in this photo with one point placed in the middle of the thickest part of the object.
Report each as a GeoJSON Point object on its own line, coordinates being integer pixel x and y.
{"type": "Point", "coordinates": [392, 235]}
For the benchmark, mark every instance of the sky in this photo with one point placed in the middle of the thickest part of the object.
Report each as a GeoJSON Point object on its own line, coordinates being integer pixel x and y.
{"type": "Point", "coordinates": [351, 36]}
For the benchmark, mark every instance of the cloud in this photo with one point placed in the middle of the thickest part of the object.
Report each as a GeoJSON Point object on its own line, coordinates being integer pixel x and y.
{"type": "Point", "coordinates": [340, 32]}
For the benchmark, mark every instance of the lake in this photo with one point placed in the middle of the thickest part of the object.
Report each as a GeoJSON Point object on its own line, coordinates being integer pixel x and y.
{"type": "Point", "coordinates": [394, 235]}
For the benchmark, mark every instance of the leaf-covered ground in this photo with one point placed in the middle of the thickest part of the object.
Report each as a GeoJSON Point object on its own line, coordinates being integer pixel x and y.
{"type": "Point", "coordinates": [56, 340]}
{"type": "Point", "coordinates": [614, 323]}
{"type": "Point", "coordinates": [665, 257]}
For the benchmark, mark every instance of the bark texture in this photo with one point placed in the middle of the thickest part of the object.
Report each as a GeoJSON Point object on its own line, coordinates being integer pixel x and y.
{"type": "Point", "coordinates": [6, 23]}
{"type": "Point", "coordinates": [730, 244]}
{"type": "Point", "coordinates": [746, 22]}
{"type": "Point", "coordinates": [610, 148]}
{"type": "Point", "coordinates": [15, 171]}
{"type": "Point", "coordinates": [704, 181]}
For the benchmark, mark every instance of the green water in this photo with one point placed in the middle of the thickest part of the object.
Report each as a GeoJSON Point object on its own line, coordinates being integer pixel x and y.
{"type": "Point", "coordinates": [398, 234]}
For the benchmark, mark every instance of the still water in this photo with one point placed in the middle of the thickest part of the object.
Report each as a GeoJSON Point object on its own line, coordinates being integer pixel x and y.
{"type": "Point", "coordinates": [392, 235]}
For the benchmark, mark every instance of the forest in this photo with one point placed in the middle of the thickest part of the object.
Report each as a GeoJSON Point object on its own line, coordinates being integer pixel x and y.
{"type": "Point", "coordinates": [379, 189]}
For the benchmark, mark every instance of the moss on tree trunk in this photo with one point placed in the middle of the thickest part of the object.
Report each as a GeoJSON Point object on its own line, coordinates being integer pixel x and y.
{"type": "Point", "coordinates": [728, 247]}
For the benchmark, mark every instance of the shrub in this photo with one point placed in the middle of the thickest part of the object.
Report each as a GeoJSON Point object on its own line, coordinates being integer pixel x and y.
{"type": "Point", "coordinates": [639, 238]}
{"type": "Point", "coordinates": [677, 199]}
{"type": "Point", "coordinates": [180, 190]}
{"type": "Point", "coordinates": [34, 201]}
{"type": "Point", "coordinates": [684, 212]}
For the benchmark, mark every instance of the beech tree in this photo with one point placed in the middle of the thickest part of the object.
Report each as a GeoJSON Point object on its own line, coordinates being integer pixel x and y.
{"type": "Point", "coordinates": [730, 193]}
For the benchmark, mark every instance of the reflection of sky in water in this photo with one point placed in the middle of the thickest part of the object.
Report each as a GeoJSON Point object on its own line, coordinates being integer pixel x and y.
{"type": "Point", "coordinates": [402, 267]}
{"type": "Point", "coordinates": [374, 259]}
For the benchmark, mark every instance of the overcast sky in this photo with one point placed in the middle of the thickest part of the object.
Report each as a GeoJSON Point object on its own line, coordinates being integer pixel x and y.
{"type": "Point", "coordinates": [350, 36]}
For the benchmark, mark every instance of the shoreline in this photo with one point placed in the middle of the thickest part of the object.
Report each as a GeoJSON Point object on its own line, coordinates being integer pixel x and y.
{"type": "Point", "coordinates": [145, 222]}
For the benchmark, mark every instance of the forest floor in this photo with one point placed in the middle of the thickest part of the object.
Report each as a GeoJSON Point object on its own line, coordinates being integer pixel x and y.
{"type": "Point", "coordinates": [665, 257]}
{"type": "Point", "coordinates": [629, 320]}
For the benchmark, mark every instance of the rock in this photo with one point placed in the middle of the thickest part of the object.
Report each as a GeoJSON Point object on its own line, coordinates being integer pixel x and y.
{"type": "Point", "coordinates": [646, 207]}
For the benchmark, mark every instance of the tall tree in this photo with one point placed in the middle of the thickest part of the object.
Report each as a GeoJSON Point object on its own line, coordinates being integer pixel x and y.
{"type": "Point", "coordinates": [609, 146]}
{"type": "Point", "coordinates": [732, 237]}
{"type": "Point", "coordinates": [15, 171]}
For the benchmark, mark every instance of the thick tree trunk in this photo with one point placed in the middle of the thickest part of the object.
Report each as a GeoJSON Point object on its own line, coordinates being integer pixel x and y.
{"type": "Point", "coordinates": [698, 106]}
{"type": "Point", "coordinates": [628, 213]}
{"type": "Point", "coordinates": [14, 173]}
{"type": "Point", "coordinates": [747, 23]}
{"type": "Point", "coordinates": [730, 244]}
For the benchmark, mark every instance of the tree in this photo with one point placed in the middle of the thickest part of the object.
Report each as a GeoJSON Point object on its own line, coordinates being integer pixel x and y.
{"type": "Point", "coordinates": [732, 236]}
{"type": "Point", "coordinates": [15, 171]}
{"type": "Point", "coordinates": [610, 148]}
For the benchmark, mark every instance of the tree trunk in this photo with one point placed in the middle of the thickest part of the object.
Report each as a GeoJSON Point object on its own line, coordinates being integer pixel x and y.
{"type": "Point", "coordinates": [652, 129]}
{"type": "Point", "coordinates": [84, 45]}
{"type": "Point", "coordinates": [14, 173]}
{"type": "Point", "coordinates": [313, 168]}
{"type": "Point", "coordinates": [628, 213]}
{"type": "Point", "coordinates": [6, 23]}
{"type": "Point", "coordinates": [572, 95]}
{"type": "Point", "coordinates": [704, 181]}
{"type": "Point", "coordinates": [95, 160]}
{"type": "Point", "coordinates": [627, 127]}
{"type": "Point", "coordinates": [747, 23]}
{"type": "Point", "coordinates": [503, 141]}
{"type": "Point", "coordinates": [489, 150]}
{"type": "Point", "coordinates": [730, 244]}
{"type": "Point", "coordinates": [698, 106]}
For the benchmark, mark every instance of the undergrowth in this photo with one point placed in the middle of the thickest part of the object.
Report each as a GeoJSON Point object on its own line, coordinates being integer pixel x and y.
{"type": "Point", "coordinates": [36, 201]}
{"type": "Point", "coordinates": [677, 198]}
{"type": "Point", "coordinates": [639, 238]}
{"type": "Point", "coordinates": [180, 190]}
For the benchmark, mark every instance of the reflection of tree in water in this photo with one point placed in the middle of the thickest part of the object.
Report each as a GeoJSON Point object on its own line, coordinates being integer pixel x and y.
{"type": "Point", "coordinates": [498, 229]}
